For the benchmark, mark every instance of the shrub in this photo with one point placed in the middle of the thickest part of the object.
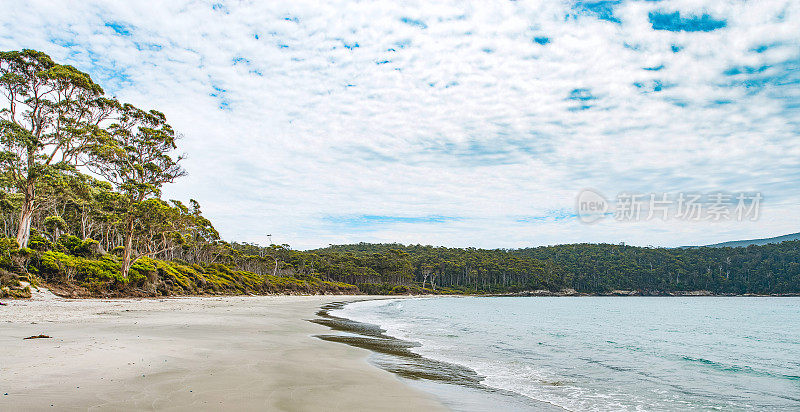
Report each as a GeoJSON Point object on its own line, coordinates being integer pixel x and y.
{"type": "Point", "coordinates": [57, 265]}
{"type": "Point", "coordinates": [399, 290]}
{"type": "Point", "coordinates": [8, 246]}
{"type": "Point", "coordinates": [101, 275]}
{"type": "Point", "coordinates": [68, 244]}
{"type": "Point", "coordinates": [39, 243]}
{"type": "Point", "coordinates": [88, 248]}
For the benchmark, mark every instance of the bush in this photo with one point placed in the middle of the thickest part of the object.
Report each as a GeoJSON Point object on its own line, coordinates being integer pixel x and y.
{"type": "Point", "coordinates": [8, 247]}
{"type": "Point", "coordinates": [68, 244]}
{"type": "Point", "coordinates": [39, 243]}
{"type": "Point", "coordinates": [56, 265]}
{"type": "Point", "coordinates": [399, 290]}
{"type": "Point", "coordinates": [88, 248]}
{"type": "Point", "coordinates": [100, 275]}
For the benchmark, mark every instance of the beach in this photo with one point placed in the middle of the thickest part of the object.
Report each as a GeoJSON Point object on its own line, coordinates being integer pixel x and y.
{"type": "Point", "coordinates": [240, 353]}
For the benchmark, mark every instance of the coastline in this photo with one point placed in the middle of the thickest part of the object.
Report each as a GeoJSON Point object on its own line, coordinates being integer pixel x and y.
{"type": "Point", "coordinates": [456, 386]}
{"type": "Point", "coordinates": [245, 353]}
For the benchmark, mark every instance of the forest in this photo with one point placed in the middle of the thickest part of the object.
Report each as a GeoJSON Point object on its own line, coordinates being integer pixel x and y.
{"type": "Point", "coordinates": [81, 178]}
{"type": "Point", "coordinates": [599, 268]}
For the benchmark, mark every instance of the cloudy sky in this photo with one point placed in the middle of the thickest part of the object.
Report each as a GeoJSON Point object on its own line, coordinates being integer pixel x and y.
{"type": "Point", "coordinates": [452, 123]}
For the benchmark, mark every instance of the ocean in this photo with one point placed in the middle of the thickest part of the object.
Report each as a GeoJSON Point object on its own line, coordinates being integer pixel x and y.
{"type": "Point", "coordinates": [587, 353]}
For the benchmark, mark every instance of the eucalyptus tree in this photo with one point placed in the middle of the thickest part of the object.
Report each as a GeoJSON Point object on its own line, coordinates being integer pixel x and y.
{"type": "Point", "coordinates": [199, 240]}
{"type": "Point", "coordinates": [47, 120]}
{"type": "Point", "coordinates": [134, 154]}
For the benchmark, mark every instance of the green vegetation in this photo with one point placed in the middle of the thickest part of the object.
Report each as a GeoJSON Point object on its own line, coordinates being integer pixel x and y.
{"type": "Point", "coordinates": [84, 236]}
{"type": "Point", "coordinates": [70, 268]}
{"type": "Point", "coordinates": [117, 237]}
{"type": "Point", "coordinates": [766, 269]}
{"type": "Point", "coordinates": [592, 268]}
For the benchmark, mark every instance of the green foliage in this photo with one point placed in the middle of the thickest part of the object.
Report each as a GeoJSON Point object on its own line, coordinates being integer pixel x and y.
{"type": "Point", "coordinates": [39, 243]}
{"type": "Point", "coordinates": [73, 245]}
{"type": "Point", "coordinates": [68, 244]}
{"type": "Point", "coordinates": [8, 248]}
{"type": "Point", "coordinates": [47, 119]}
{"type": "Point", "coordinates": [588, 268]}
{"type": "Point", "coordinates": [87, 248]}
{"type": "Point", "coordinates": [766, 269]}
{"type": "Point", "coordinates": [55, 223]}
{"type": "Point", "coordinates": [470, 270]}
{"type": "Point", "coordinates": [102, 276]}
{"type": "Point", "coordinates": [54, 265]}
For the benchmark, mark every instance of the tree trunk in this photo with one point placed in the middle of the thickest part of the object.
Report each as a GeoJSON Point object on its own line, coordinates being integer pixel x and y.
{"type": "Point", "coordinates": [126, 254]}
{"type": "Point", "coordinates": [25, 217]}
{"type": "Point", "coordinates": [83, 222]}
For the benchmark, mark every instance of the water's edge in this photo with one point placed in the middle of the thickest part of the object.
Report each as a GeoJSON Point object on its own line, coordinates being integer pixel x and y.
{"type": "Point", "coordinates": [457, 386]}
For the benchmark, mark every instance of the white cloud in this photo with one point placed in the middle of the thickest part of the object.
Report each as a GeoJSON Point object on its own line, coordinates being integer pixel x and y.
{"type": "Point", "coordinates": [294, 112]}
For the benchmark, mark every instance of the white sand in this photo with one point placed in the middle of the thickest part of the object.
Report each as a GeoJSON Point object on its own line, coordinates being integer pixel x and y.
{"type": "Point", "coordinates": [237, 353]}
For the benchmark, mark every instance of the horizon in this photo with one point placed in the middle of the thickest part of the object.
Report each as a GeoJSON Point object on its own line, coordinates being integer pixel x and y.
{"type": "Point", "coordinates": [376, 123]}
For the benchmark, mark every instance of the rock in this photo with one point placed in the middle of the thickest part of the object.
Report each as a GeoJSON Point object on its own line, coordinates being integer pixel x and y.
{"type": "Point", "coordinates": [624, 293]}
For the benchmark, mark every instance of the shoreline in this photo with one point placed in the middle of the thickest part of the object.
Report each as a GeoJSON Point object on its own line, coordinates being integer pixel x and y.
{"type": "Point", "coordinates": [239, 352]}
{"type": "Point", "coordinates": [457, 386]}
{"type": "Point", "coordinates": [63, 294]}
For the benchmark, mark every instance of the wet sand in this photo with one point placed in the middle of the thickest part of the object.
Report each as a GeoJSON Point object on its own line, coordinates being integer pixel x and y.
{"type": "Point", "coordinates": [238, 353]}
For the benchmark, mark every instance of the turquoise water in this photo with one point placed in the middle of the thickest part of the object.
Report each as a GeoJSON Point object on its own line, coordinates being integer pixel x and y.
{"type": "Point", "coordinates": [611, 353]}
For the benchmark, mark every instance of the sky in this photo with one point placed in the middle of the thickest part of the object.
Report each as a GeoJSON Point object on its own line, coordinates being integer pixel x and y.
{"type": "Point", "coordinates": [452, 123]}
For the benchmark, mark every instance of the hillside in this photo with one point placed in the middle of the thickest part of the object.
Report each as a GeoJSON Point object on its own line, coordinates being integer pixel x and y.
{"type": "Point", "coordinates": [765, 241]}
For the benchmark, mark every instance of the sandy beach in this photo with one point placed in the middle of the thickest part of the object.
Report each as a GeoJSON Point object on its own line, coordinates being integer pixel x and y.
{"type": "Point", "coordinates": [238, 353]}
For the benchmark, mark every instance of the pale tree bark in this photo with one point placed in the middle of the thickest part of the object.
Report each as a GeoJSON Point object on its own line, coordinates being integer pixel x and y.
{"type": "Point", "coordinates": [128, 250]}
{"type": "Point", "coordinates": [25, 216]}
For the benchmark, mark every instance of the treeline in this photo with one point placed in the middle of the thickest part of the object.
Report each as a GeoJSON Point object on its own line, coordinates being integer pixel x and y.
{"type": "Point", "coordinates": [765, 269]}
{"type": "Point", "coordinates": [599, 268]}
{"type": "Point", "coordinates": [77, 246]}
{"type": "Point", "coordinates": [467, 270]}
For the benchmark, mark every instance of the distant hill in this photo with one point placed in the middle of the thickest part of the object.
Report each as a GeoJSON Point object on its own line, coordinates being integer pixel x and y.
{"type": "Point", "coordinates": [583, 267]}
{"type": "Point", "coordinates": [743, 243]}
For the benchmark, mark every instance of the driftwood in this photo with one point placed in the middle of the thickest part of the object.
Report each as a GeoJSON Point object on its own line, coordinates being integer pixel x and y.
{"type": "Point", "coordinates": [37, 337]}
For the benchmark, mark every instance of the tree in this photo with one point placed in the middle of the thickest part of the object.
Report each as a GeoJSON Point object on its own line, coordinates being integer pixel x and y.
{"type": "Point", "coordinates": [47, 121]}
{"type": "Point", "coordinates": [198, 239]}
{"type": "Point", "coordinates": [134, 155]}
{"type": "Point", "coordinates": [156, 229]}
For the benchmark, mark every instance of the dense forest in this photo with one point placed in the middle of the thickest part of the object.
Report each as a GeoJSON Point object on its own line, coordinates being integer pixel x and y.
{"type": "Point", "coordinates": [81, 208]}
{"type": "Point", "coordinates": [599, 268]}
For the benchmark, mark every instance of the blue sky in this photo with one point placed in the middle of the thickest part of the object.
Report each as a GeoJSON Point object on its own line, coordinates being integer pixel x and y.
{"type": "Point", "coordinates": [451, 123]}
